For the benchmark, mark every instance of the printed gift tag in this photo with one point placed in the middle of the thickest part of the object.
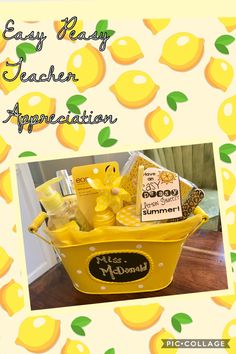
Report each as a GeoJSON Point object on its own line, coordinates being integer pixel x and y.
{"type": "Point", "coordinates": [160, 195]}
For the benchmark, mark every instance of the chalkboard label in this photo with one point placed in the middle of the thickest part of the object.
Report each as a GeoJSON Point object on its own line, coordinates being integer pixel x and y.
{"type": "Point", "coordinates": [119, 267]}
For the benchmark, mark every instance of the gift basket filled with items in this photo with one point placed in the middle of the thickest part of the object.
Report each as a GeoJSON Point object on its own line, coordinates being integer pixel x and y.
{"type": "Point", "coordinates": [119, 231]}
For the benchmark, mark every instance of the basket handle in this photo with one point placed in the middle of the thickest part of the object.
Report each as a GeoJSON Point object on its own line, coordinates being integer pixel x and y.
{"type": "Point", "coordinates": [36, 224]}
{"type": "Point", "coordinates": [205, 218]}
{"type": "Point", "coordinates": [200, 211]}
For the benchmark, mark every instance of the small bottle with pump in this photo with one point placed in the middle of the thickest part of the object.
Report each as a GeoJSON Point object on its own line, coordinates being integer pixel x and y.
{"type": "Point", "coordinates": [58, 210]}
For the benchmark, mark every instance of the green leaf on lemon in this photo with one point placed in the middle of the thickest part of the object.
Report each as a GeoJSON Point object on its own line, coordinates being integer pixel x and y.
{"type": "Point", "coordinates": [21, 54]}
{"type": "Point", "coordinates": [78, 323]}
{"type": "Point", "coordinates": [222, 42]}
{"type": "Point", "coordinates": [225, 157]}
{"type": "Point", "coordinates": [104, 138]}
{"type": "Point", "coordinates": [233, 257]}
{"type": "Point", "coordinates": [78, 330]}
{"type": "Point", "coordinates": [109, 32]}
{"type": "Point", "coordinates": [27, 154]}
{"type": "Point", "coordinates": [228, 148]}
{"type": "Point", "coordinates": [171, 103]}
{"type": "Point", "coordinates": [82, 321]}
{"type": "Point", "coordinates": [102, 27]}
{"type": "Point", "coordinates": [175, 97]}
{"type": "Point", "coordinates": [74, 101]}
{"type": "Point", "coordinates": [180, 318]}
{"type": "Point", "coordinates": [225, 39]}
{"type": "Point", "coordinates": [222, 48]}
{"type": "Point", "coordinates": [109, 142]}
{"type": "Point", "coordinates": [225, 151]}
{"type": "Point", "coordinates": [110, 351]}
{"type": "Point", "coordinates": [176, 324]}
{"type": "Point", "coordinates": [104, 135]}
{"type": "Point", "coordinates": [25, 48]}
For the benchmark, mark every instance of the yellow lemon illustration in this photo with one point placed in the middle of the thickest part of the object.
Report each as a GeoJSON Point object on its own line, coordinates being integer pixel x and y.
{"type": "Point", "coordinates": [134, 89]}
{"type": "Point", "coordinates": [158, 124]}
{"type": "Point", "coordinates": [38, 333]}
{"type": "Point", "coordinates": [139, 317]}
{"type": "Point", "coordinates": [231, 221]}
{"type": "Point", "coordinates": [5, 262]}
{"type": "Point", "coordinates": [229, 333]}
{"type": "Point", "coordinates": [219, 73]}
{"type": "Point", "coordinates": [77, 28]}
{"type": "Point", "coordinates": [156, 343]}
{"type": "Point", "coordinates": [35, 103]}
{"type": "Point", "coordinates": [167, 177]}
{"type": "Point", "coordinates": [12, 297]}
{"type": "Point", "coordinates": [229, 182]}
{"type": "Point", "coordinates": [227, 117]}
{"type": "Point", "coordinates": [8, 86]}
{"type": "Point", "coordinates": [5, 186]}
{"type": "Point", "coordinates": [75, 347]}
{"type": "Point", "coordinates": [229, 23]}
{"type": "Point", "coordinates": [14, 228]}
{"type": "Point", "coordinates": [4, 149]}
{"type": "Point", "coordinates": [156, 25]}
{"type": "Point", "coordinates": [3, 42]}
{"type": "Point", "coordinates": [125, 50]}
{"type": "Point", "coordinates": [227, 300]}
{"type": "Point", "coordinates": [88, 65]}
{"type": "Point", "coordinates": [71, 136]}
{"type": "Point", "coordinates": [182, 51]}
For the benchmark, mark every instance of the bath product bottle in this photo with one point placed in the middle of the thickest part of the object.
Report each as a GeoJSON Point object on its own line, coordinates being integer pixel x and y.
{"type": "Point", "coordinates": [70, 197]}
{"type": "Point", "coordinates": [65, 184]}
{"type": "Point", "coordinates": [58, 209]}
{"type": "Point", "coordinates": [104, 218]}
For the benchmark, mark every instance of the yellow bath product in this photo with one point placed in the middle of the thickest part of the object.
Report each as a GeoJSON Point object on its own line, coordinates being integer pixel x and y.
{"type": "Point", "coordinates": [86, 195]}
{"type": "Point", "coordinates": [58, 209]}
{"type": "Point", "coordinates": [130, 173]}
{"type": "Point", "coordinates": [66, 235]}
{"type": "Point", "coordinates": [69, 234]}
{"type": "Point", "coordinates": [127, 216]}
{"type": "Point", "coordinates": [104, 218]}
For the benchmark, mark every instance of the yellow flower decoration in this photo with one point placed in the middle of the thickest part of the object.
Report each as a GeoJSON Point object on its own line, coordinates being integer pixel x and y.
{"type": "Point", "coordinates": [110, 193]}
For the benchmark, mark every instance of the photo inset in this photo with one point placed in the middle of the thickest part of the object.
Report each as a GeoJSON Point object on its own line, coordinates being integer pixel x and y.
{"type": "Point", "coordinates": [121, 226]}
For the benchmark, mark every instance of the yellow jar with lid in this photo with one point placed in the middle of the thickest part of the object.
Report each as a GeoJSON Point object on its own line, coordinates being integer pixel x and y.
{"type": "Point", "coordinates": [104, 218]}
{"type": "Point", "coordinates": [127, 216]}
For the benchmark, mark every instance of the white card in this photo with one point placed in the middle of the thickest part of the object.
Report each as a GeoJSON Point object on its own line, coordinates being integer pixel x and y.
{"type": "Point", "coordinates": [161, 198]}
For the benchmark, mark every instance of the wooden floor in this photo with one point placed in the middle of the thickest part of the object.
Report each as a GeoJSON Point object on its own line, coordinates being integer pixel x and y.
{"type": "Point", "coordinates": [201, 268]}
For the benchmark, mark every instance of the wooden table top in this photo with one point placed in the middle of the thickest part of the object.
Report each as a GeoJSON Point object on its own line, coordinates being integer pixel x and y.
{"type": "Point", "coordinates": [201, 268]}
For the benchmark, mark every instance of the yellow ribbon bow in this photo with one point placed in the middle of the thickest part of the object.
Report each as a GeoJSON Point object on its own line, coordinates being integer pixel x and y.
{"type": "Point", "coordinates": [110, 193]}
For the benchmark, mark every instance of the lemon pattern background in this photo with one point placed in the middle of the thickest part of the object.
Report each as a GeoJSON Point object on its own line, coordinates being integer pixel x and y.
{"type": "Point", "coordinates": [141, 53]}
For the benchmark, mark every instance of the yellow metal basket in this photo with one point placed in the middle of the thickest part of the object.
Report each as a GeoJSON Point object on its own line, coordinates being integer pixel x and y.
{"type": "Point", "coordinates": [117, 259]}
